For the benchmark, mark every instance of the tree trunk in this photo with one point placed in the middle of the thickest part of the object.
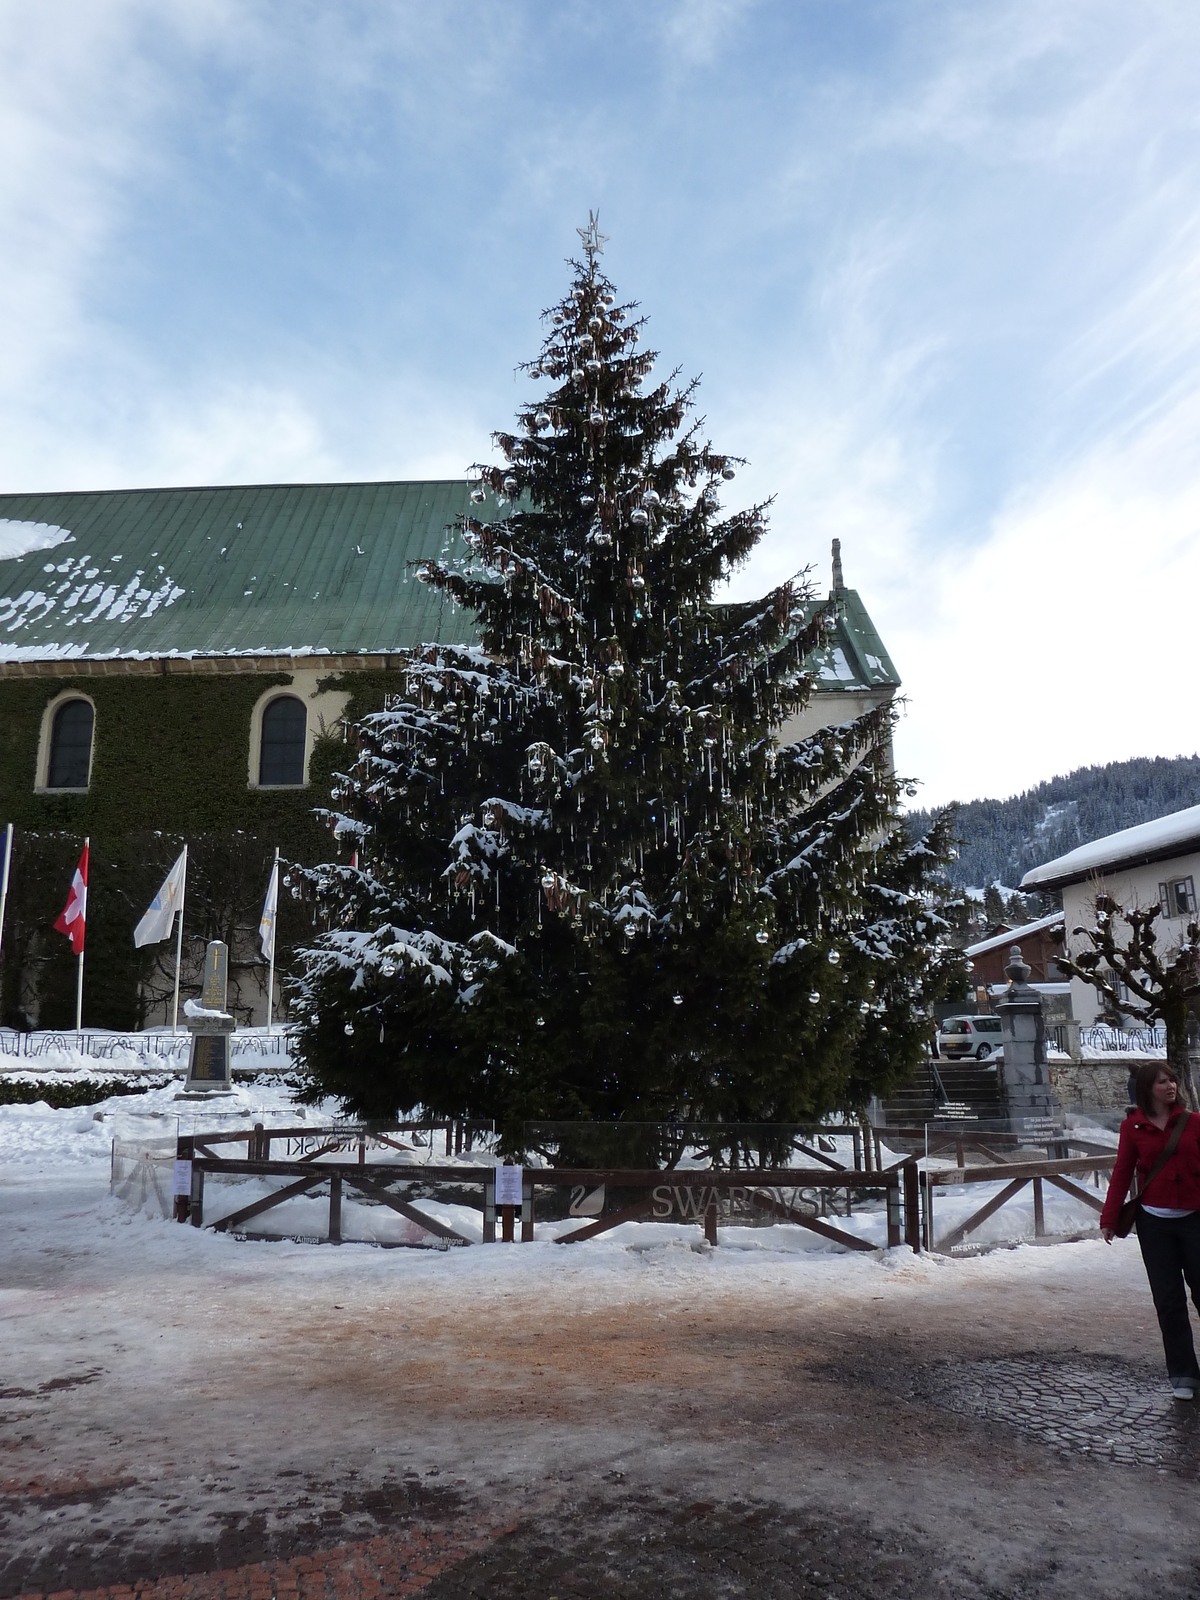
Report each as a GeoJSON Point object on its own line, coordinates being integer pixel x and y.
{"type": "Point", "coordinates": [1175, 1019]}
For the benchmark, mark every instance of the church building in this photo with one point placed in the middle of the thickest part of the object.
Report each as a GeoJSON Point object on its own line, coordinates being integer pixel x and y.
{"type": "Point", "coordinates": [179, 665]}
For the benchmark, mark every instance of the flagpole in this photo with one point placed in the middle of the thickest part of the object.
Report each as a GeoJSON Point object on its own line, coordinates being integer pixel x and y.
{"type": "Point", "coordinates": [8, 838]}
{"type": "Point", "coordinates": [79, 980]}
{"type": "Point", "coordinates": [274, 926]}
{"type": "Point", "coordinates": [179, 946]}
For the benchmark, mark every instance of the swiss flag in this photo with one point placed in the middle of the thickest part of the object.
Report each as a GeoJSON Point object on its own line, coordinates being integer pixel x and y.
{"type": "Point", "coordinates": [72, 919]}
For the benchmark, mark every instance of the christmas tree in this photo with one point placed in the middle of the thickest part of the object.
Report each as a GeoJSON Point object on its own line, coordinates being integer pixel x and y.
{"type": "Point", "coordinates": [590, 882]}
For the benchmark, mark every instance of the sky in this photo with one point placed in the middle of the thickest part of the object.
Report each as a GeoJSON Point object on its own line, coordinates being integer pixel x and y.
{"type": "Point", "coordinates": [937, 266]}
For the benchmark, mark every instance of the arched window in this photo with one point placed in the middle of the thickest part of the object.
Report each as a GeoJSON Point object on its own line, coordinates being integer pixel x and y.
{"type": "Point", "coordinates": [70, 746]}
{"type": "Point", "coordinates": [281, 749]}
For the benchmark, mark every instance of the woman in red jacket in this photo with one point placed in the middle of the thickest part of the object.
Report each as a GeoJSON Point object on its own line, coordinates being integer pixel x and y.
{"type": "Point", "coordinates": [1168, 1220]}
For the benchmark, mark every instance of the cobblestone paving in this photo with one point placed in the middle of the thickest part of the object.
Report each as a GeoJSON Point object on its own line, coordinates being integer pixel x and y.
{"type": "Point", "coordinates": [635, 1547]}
{"type": "Point", "coordinates": [393, 1564]}
{"type": "Point", "coordinates": [1105, 1409]}
{"type": "Point", "coordinates": [655, 1548]}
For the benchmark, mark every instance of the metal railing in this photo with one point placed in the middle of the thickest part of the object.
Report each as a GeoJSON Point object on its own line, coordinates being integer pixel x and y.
{"type": "Point", "coordinates": [157, 1047]}
{"type": "Point", "coordinates": [1123, 1040]}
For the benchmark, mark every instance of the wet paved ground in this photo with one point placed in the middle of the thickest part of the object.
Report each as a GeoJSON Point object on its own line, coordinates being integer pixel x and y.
{"type": "Point", "coordinates": [621, 1539]}
{"type": "Point", "coordinates": [657, 1548]}
{"type": "Point", "coordinates": [250, 1424]}
{"type": "Point", "coordinates": [635, 1547]}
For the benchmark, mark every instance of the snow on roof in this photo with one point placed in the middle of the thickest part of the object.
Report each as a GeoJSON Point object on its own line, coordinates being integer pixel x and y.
{"type": "Point", "coordinates": [317, 568]}
{"type": "Point", "coordinates": [1014, 935]}
{"type": "Point", "coordinates": [300, 569]}
{"type": "Point", "coordinates": [1159, 840]}
{"type": "Point", "coordinates": [20, 539]}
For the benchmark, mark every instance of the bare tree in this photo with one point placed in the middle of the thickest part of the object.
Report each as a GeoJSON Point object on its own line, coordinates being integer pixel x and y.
{"type": "Point", "coordinates": [1158, 984]}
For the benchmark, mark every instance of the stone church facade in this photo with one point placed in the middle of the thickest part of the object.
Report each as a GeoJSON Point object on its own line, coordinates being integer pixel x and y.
{"type": "Point", "coordinates": [180, 665]}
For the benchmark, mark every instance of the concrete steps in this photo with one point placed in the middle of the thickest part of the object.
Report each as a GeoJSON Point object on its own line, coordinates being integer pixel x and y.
{"type": "Point", "coordinates": [972, 1090]}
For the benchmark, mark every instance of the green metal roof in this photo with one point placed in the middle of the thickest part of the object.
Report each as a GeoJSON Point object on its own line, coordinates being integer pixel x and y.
{"type": "Point", "coordinates": [269, 569]}
{"type": "Point", "coordinates": [854, 659]}
{"type": "Point", "coordinates": [263, 569]}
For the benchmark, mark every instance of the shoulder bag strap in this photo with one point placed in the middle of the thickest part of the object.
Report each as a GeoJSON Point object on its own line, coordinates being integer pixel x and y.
{"type": "Point", "coordinates": [1169, 1150]}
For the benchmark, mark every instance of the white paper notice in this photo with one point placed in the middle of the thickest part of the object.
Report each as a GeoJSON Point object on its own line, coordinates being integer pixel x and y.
{"type": "Point", "coordinates": [508, 1185]}
{"type": "Point", "coordinates": [183, 1178]}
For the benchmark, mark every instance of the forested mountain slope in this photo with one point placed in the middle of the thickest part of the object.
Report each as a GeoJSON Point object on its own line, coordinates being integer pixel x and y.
{"type": "Point", "coordinates": [1002, 839]}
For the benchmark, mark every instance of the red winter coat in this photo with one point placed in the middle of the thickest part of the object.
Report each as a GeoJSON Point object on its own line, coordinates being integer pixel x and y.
{"type": "Point", "coordinates": [1177, 1186]}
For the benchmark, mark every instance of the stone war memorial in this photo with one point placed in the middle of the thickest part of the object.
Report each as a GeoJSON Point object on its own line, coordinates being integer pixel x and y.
{"type": "Point", "coordinates": [210, 1066]}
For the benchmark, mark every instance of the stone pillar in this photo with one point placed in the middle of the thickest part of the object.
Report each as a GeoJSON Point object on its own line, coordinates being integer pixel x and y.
{"type": "Point", "coordinates": [1026, 1078]}
{"type": "Point", "coordinates": [210, 1064]}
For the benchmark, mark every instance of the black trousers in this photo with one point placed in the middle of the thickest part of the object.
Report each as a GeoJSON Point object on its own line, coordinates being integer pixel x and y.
{"type": "Point", "coordinates": [1171, 1252]}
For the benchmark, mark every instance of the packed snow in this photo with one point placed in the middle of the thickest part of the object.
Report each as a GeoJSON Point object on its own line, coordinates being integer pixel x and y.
{"type": "Point", "coordinates": [126, 1144]}
{"type": "Point", "coordinates": [20, 539]}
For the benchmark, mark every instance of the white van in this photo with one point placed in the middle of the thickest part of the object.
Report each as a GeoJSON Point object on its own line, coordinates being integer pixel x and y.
{"type": "Point", "coordinates": [970, 1036]}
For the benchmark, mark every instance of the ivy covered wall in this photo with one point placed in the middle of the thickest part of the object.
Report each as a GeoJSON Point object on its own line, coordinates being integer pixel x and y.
{"type": "Point", "coordinates": [169, 766]}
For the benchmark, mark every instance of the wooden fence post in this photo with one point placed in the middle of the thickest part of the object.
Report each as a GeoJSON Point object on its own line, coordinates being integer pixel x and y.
{"type": "Point", "coordinates": [197, 1201]}
{"type": "Point", "coordinates": [710, 1222]}
{"type": "Point", "coordinates": [185, 1150]}
{"type": "Point", "coordinates": [1039, 1210]}
{"type": "Point", "coordinates": [526, 1210]}
{"type": "Point", "coordinates": [912, 1205]}
{"type": "Point", "coordinates": [335, 1208]}
{"type": "Point", "coordinates": [893, 1211]}
{"type": "Point", "coordinates": [507, 1217]}
{"type": "Point", "coordinates": [489, 1208]}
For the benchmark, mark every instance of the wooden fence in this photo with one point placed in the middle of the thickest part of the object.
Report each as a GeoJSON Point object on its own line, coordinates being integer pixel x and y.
{"type": "Point", "coordinates": [304, 1159]}
{"type": "Point", "coordinates": [1013, 1176]}
{"type": "Point", "coordinates": [694, 1194]}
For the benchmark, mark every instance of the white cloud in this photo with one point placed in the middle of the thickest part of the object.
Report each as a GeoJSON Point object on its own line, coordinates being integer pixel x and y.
{"type": "Point", "coordinates": [942, 276]}
{"type": "Point", "coordinates": [695, 30]}
{"type": "Point", "coordinates": [1068, 638]}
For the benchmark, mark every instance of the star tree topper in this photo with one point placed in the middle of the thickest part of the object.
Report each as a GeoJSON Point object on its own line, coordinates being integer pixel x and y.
{"type": "Point", "coordinates": [593, 240]}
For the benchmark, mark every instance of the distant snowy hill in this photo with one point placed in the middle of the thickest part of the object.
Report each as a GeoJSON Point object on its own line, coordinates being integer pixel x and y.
{"type": "Point", "coordinates": [1002, 839]}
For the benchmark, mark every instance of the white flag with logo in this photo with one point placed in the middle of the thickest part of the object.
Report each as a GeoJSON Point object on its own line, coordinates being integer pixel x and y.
{"type": "Point", "coordinates": [266, 926]}
{"type": "Point", "coordinates": [155, 926]}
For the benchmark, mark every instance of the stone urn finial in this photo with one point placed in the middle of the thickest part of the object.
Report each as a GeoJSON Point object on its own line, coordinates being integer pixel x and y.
{"type": "Point", "coordinates": [1016, 971]}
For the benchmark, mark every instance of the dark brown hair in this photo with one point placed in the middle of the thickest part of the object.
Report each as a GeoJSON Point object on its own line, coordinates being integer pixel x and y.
{"type": "Point", "coordinates": [1147, 1077]}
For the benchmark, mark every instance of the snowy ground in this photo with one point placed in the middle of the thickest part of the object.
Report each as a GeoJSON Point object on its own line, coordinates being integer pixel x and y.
{"type": "Point", "coordinates": [173, 1399]}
